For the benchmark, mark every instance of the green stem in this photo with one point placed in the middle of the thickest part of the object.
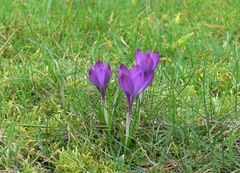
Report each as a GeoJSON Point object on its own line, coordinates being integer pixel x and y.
{"type": "Point", "coordinates": [128, 123]}
{"type": "Point", "coordinates": [105, 111]}
{"type": "Point", "coordinates": [141, 97]}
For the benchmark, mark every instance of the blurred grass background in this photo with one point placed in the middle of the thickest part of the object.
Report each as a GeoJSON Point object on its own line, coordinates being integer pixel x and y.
{"type": "Point", "coordinates": [48, 109]}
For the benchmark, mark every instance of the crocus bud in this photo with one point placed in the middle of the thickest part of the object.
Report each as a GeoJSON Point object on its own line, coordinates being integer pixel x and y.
{"type": "Point", "coordinates": [100, 75]}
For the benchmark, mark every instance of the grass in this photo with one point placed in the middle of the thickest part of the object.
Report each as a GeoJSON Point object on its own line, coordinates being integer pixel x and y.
{"type": "Point", "coordinates": [49, 111]}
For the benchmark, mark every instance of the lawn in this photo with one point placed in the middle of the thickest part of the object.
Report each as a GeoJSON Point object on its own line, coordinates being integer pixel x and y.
{"type": "Point", "coordinates": [49, 109]}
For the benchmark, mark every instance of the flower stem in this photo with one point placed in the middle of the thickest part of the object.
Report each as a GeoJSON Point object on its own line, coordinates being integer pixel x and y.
{"type": "Point", "coordinates": [128, 123]}
{"type": "Point", "coordinates": [105, 111]}
{"type": "Point", "coordinates": [141, 97]}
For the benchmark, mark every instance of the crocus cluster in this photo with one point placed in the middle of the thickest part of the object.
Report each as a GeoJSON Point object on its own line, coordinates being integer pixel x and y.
{"type": "Point", "coordinates": [132, 81]}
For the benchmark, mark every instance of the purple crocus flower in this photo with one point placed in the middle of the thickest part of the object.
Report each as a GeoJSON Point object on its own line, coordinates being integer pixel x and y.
{"type": "Point", "coordinates": [133, 82]}
{"type": "Point", "coordinates": [100, 75]}
{"type": "Point", "coordinates": [148, 61]}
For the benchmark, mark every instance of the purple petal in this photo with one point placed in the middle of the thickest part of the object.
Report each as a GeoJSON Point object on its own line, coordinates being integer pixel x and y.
{"type": "Point", "coordinates": [148, 79]}
{"type": "Point", "coordinates": [107, 74]}
{"type": "Point", "coordinates": [126, 84]}
{"type": "Point", "coordinates": [92, 67]}
{"type": "Point", "coordinates": [93, 77]}
{"type": "Point", "coordinates": [123, 70]}
{"type": "Point", "coordinates": [147, 63]}
{"type": "Point", "coordinates": [150, 53]}
{"type": "Point", "coordinates": [139, 56]}
{"type": "Point", "coordinates": [99, 64]}
{"type": "Point", "coordinates": [135, 70]}
{"type": "Point", "coordinates": [139, 83]}
{"type": "Point", "coordinates": [125, 81]}
{"type": "Point", "coordinates": [101, 76]}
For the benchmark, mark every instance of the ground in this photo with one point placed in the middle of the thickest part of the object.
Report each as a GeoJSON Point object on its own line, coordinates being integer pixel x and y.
{"type": "Point", "coordinates": [50, 113]}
